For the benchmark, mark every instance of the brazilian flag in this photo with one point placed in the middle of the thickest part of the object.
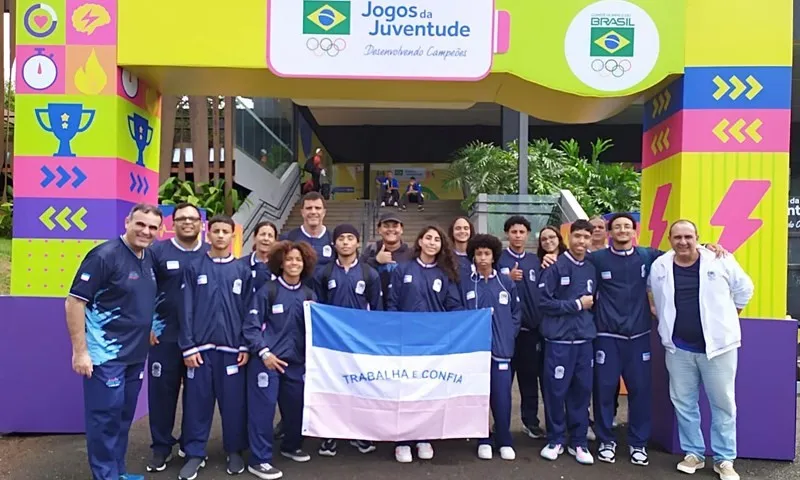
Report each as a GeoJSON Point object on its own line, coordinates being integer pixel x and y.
{"type": "Point", "coordinates": [330, 17]}
{"type": "Point", "coordinates": [611, 42]}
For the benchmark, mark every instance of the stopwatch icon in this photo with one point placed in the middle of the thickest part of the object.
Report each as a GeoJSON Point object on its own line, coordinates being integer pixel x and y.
{"type": "Point", "coordinates": [40, 71]}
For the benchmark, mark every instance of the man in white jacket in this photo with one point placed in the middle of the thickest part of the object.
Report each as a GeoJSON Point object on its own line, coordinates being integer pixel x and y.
{"type": "Point", "coordinates": [697, 299]}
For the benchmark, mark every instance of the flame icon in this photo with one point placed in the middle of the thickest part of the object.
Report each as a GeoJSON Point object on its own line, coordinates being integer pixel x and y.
{"type": "Point", "coordinates": [89, 17]}
{"type": "Point", "coordinates": [91, 78]}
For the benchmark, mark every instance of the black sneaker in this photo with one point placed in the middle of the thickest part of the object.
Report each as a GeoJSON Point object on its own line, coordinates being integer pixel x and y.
{"type": "Point", "coordinates": [607, 452]}
{"type": "Point", "coordinates": [158, 462]}
{"type": "Point", "coordinates": [535, 432]}
{"type": "Point", "coordinates": [363, 446]}
{"type": "Point", "coordinates": [265, 471]}
{"type": "Point", "coordinates": [298, 455]}
{"type": "Point", "coordinates": [420, 208]}
{"type": "Point", "coordinates": [639, 456]}
{"type": "Point", "coordinates": [235, 464]}
{"type": "Point", "coordinates": [327, 448]}
{"type": "Point", "coordinates": [190, 468]}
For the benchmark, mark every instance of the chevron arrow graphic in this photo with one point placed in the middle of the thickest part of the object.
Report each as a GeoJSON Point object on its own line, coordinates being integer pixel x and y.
{"type": "Point", "coordinates": [80, 177]}
{"type": "Point", "coordinates": [752, 130]}
{"type": "Point", "coordinates": [48, 176]}
{"type": "Point", "coordinates": [719, 130]}
{"type": "Point", "coordinates": [665, 140]}
{"type": "Point", "coordinates": [722, 87]}
{"type": "Point", "coordinates": [139, 184]}
{"type": "Point", "coordinates": [45, 218]}
{"type": "Point", "coordinates": [64, 176]}
{"type": "Point", "coordinates": [736, 130]}
{"type": "Point", "coordinates": [755, 87]}
{"type": "Point", "coordinates": [738, 87]}
{"type": "Point", "coordinates": [146, 185]}
{"type": "Point", "coordinates": [61, 218]}
{"type": "Point", "coordinates": [133, 182]}
{"type": "Point", "coordinates": [667, 99]}
{"type": "Point", "coordinates": [77, 219]}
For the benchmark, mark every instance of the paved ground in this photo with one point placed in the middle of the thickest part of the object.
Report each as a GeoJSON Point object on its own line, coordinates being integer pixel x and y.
{"type": "Point", "coordinates": [63, 457]}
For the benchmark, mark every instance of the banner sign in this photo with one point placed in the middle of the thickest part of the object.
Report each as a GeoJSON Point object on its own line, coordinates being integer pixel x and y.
{"type": "Point", "coordinates": [396, 376]}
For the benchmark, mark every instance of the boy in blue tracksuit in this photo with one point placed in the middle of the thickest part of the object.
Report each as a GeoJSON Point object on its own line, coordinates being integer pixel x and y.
{"type": "Point", "coordinates": [567, 290]}
{"type": "Point", "coordinates": [170, 259]}
{"type": "Point", "coordinates": [487, 289]}
{"type": "Point", "coordinates": [217, 291]}
{"type": "Point", "coordinates": [524, 269]}
{"type": "Point", "coordinates": [348, 283]}
{"type": "Point", "coordinates": [275, 334]}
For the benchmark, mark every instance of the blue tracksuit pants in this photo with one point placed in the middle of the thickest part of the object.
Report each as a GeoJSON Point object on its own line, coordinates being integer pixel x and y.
{"type": "Point", "coordinates": [165, 364]}
{"type": "Point", "coordinates": [630, 358]}
{"type": "Point", "coordinates": [567, 380]}
{"type": "Point", "coordinates": [527, 365]}
{"type": "Point", "coordinates": [266, 389]}
{"type": "Point", "coordinates": [218, 378]}
{"type": "Point", "coordinates": [500, 402]}
{"type": "Point", "coordinates": [109, 399]}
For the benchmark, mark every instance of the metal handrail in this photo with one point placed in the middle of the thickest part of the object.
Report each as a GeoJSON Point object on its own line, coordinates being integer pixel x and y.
{"type": "Point", "coordinates": [267, 208]}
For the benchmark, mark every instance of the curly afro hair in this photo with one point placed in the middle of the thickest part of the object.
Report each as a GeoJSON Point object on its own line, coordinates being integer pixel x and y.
{"type": "Point", "coordinates": [484, 240]}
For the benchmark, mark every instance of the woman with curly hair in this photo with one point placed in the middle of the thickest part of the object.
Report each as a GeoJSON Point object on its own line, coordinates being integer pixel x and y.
{"type": "Point", "coordinates": [427, 283]}
{"type": "Point", "coordinates": [275, 332]}
{"type": "Point", "coordinates": [487, 289]}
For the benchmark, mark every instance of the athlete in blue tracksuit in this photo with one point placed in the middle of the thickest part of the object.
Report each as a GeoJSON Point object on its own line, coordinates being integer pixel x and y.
{"type": "Point", "coordinates": [313, 232]}
{"type": "Point", "coordinates": [275, 334]}
{"type": "Point", "coordinates": [170, 258]}
{"type": "Point", "coordinates": [264, 235]}
{"type": "Point", "coordinates": [217, 291]}
{"type": "Point", "coordinates": [567, 288]}
{"type": "Point", "coordinates": [525, 269]}
{"type": "Point", "coordinates": [109, 312]}
{"type": "Point", "coordinates": [488, 289]}
{"type": "Point", "coordinates": [348, 283]}
{"type": "Point", "coordinates": [427, 283]}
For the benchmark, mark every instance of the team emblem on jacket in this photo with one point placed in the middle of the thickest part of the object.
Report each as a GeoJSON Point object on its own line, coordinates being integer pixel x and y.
{"type": "Point", "coordinates": [263, 380]}
{"type": "Point", "coordinates": [237, 286]}
{"type": "Point", "coordinates": [558, 373]}
{"type": "Point", "coordinates": [643, 271]}
{"type": "Point", "coordinates": [437, 285]}
{"type": "Point", "coordinates": [155, 369]}
{"type": "Point", "coordinates": [361, 287]}
{"type": "Point", "coordinates": [589, 286]}
{"type": "Point", "coordinates": [600, 357]}
{"type": "Point", "coordinates": [532, 275]}
{"type": "Point", "coordinates": [326, 251]}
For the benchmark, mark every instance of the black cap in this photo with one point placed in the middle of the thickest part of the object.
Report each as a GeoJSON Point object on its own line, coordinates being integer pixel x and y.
{"type": "Point", "coordinates": [389, 217]}
{"type": "Point", "coordinates": [345, 228]}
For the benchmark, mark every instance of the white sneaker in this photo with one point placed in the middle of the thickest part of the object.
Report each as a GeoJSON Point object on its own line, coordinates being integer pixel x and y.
{"type": "Point", "coordinates": [552, 451]}
{"type": "Point", "coordinates": [590, 435]}
{"type": "Point", "coordinates": [725, 470]}
{"type": "Point", "coordinates": [582, 455]}
{"type": "Point", "coordinates": [607, 452]}
{"type": "Point", "coordinates": [507, 453]}
{"type": "Point", "coordinates": [424, 451]}
{"type": "Point", "coordinates": [485, 452]}
{"type": "Point", "coordinates": [383, 204]}
{"type": "Point", "coordinates": [403, 454]}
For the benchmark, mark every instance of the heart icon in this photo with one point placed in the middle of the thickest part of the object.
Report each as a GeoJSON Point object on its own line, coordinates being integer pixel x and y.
{"type": "Point", "coordinates": [40, 20]}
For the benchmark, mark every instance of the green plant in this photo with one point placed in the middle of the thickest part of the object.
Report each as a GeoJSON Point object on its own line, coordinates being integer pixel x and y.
{"type": "Point", "coordinates": [209, 196]}
{"type": "Point", "coordinates": [598, 187]}
{"type": "Point", "coordinates": [7, 213]}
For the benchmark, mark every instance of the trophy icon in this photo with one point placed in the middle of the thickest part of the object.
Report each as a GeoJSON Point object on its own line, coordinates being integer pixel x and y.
{"type": "Point", "coordinates": [65, 121]}
{"type": "Point", "coordinates": [141, 133]}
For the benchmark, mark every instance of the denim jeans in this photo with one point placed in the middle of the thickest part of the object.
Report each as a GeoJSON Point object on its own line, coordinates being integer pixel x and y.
{"type": "Point", "coordinates": [686, 371]}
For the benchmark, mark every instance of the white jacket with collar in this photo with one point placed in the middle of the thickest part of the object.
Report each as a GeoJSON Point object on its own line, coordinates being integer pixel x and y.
{"type": "Point", "coordinates": [724, 287]}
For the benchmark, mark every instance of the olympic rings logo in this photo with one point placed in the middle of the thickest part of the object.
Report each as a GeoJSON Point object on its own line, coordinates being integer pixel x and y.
{"type": "Point", "coordinates": [325, 45]}
{"type": "Point", "coordinates": [611, 67]}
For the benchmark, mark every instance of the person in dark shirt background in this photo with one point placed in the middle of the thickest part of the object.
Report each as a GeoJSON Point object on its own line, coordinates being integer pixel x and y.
{"type": "Point", "coordinates": [389, 251]}
{"type": "Point", "coordinates": [275, 334]}
{"type": "Point", "coordinates": [217, 291]}
{"type": "Point", "coordinates": [313, 231]}
{"type": "Point", "coordinates": [109, 314]}
{"type": "Point", "coordinates": [413, 194]}
{"type": "Point", "coordinates": [567, 295]}
{"type": "Point", "coordinates": [389, 189]}
{"type": "Point", "coordinates": [170, 258]}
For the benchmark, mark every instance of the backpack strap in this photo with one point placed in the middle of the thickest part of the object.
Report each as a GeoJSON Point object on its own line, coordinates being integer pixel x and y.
{"type": "Point", "coordinates": [309, 293]}
{"type": "Point", "coordinates": [366, 272]}
{"type": "Point", "coordinates": [272, 292]}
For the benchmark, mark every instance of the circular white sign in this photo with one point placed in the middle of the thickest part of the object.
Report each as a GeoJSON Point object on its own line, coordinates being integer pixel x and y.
{"type": "Point", "coordinates": [39, 71]}
{"type": "Point", "coordinates": [611, 45]}
{"type": "Point", "coordinates": [130, 83]}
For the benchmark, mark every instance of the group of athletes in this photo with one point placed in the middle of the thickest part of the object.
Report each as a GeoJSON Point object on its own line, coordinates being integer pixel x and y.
{"type": "Point", "coordinates": [570, 318]}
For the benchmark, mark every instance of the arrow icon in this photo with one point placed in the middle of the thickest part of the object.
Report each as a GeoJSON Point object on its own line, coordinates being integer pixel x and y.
{"type": "Point", "coordinates": [79, 177]}
{"type": "Point", "coordinates": [64, 176]}
{"type": "Point", "coordinates": [661, 102]}
{"type": "Point", "coordinates": [660, 141]}
{"type": "Point", "coordinates": [45, 218]}
{"type": "Point", "coordinates": [719, 130]}
{"type": "Point", "coordinates": [63, 218]}
{"type": "Point", "coordinates": [752, 130]}
{"type": "Point", "coordinates": [48, 176]}
{"type": "Point", "coordinates": [735, 130]}
{"type": "Point", "coordinates": [139, 182]}
{"type": "Point", "coordinates": [738, 87]}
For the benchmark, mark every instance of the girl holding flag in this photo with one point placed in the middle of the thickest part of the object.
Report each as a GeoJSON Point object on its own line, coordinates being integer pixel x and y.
{"type": "Point", "coordinates": [426, 283]}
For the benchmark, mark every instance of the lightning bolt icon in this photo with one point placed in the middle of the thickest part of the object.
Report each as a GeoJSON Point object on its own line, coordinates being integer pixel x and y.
{"type": "Point", "coordinates": [733, 212]}
{"type": "Point", "coordinates": [657, 224]}
{"type": "Point", "coordinates": [89, 19]}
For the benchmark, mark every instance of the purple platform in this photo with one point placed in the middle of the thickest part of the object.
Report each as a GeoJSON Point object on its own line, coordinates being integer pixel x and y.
{"type": "Point", "coordinates": [40, 392]}
{"type": "Point", "coordinates": [766, 396]}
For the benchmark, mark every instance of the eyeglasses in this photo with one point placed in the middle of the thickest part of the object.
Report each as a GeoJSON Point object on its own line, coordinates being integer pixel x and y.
{"type": "Point", "coordinates": [187, 219]}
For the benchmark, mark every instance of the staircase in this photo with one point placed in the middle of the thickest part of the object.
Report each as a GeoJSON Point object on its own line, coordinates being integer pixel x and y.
{"type": "Point", "coordinates": [355, 212]}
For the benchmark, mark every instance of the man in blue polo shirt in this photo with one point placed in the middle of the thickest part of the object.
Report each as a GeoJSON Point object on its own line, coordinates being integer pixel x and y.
{"type": "Point", "coordinates": [313, 230]}
{"type": "Point", "coordinates": [165, 362]}
{"type": "Point", "coordinates": [109, 313]}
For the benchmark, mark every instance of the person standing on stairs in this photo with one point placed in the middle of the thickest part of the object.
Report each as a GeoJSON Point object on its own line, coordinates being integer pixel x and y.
{"type": "Point", "coordinates": [313, 231]}
{"type": "Point", "coordinates": [264, 236]}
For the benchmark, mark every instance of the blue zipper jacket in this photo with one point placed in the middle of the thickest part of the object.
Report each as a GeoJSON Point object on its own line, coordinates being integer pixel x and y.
{"type": "Point", "coordinates": [528, 287]}
{"type": "Point", "coordinates": [259, 270]}
{"type": "Point", "coordinates": [561, 286]}
{"type": "Point", "coordinates": [499, 293]}
{"type": "Point", "coordinates": [349, 289]}
{"type": "Point", "coordinates": [419, 287]}
{"type": "Point", "coordinates": [216, 297]}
